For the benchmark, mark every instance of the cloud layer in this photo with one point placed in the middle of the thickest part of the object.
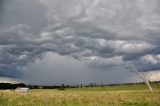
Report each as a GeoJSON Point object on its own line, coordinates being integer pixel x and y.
{"type": "Point", "coordinates": [103, 33]}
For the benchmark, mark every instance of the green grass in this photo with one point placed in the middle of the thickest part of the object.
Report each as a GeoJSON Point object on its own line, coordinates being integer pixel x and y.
{"type": "Point", "coordinates": [124, 95]}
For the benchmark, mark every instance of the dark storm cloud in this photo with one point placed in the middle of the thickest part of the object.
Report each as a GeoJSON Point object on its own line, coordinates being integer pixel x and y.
{"type": "Point", "coordinates": [1, 5]}
{"type": "Point", "coordinates": [104, 33]}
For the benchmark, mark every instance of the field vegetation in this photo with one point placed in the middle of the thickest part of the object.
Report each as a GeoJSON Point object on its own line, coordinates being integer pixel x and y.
{"type": "Point", "coordinates": [117, 95]}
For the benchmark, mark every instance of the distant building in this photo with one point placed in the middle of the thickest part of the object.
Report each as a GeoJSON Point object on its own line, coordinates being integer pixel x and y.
{"type": "Point", "coordinates": [22, 89]}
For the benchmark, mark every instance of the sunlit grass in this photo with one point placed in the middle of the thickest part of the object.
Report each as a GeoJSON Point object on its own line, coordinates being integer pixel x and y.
{"type": "Point", "coordinates": [101, 96]}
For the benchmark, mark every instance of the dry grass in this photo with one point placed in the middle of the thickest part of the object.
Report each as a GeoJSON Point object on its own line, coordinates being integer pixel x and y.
{"type": "Point", "coordinates": [79, 98]}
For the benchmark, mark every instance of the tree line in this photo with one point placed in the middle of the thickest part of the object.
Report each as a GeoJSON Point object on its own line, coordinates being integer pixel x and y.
{"type": "Point", "coordinates": [60, 87]}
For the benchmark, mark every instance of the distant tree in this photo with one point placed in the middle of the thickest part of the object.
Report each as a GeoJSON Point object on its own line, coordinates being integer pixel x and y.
{"type": "Point", "coordinates": [81, 86]}
{"type": "Point", "coordinates": [62, 87]}
{"type": "Point", "coordinates": [145, 76]}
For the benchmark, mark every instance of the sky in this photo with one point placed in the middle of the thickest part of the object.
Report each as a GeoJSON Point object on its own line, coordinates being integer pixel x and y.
{"type": "Point", "coordinates": [78, 41]}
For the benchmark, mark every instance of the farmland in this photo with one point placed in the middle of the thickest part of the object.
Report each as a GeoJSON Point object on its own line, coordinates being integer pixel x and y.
{"type": "Point", "coordinates": [120, 95]}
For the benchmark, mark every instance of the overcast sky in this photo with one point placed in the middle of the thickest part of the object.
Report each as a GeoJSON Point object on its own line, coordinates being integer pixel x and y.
{"type": "Point", "coordinates": [78, 41]}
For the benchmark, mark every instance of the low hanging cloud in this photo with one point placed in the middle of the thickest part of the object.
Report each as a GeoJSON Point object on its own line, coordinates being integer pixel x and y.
{"type": "Point", "coordinates": [102, 32]}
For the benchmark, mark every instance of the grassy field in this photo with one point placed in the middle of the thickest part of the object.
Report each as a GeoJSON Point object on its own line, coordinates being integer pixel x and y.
{"type": "Point", "coordinates": [124, 95]}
